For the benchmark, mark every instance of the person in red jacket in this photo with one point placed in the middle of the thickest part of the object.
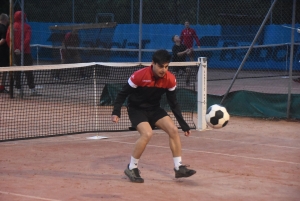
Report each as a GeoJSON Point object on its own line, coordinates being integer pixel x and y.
{"type": "Point", "coordinates": [187, 36]}
{"type": "Point", "coordinates": [69, 54]}
{"type": "Point", "coordinates": [17, 51]}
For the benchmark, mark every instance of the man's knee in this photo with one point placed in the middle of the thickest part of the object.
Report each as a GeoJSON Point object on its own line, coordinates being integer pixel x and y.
{"type": "Point", "coordinates": [172, 131]}
{"type": "Point", "coordinates": [146, 135]}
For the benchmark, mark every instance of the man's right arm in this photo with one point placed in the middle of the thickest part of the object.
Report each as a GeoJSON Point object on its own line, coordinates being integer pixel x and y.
{"type": "Point", "coordinates": [120, 99]}
{"type": "Point", "coordinates": [182, 53]}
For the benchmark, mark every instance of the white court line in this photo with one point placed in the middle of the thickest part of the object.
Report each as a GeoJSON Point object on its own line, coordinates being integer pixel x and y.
{"type": "Point", "coordinates": [270, 145]}
{"type": "Point", "coordinates": [216, 153]}
{"type": "Point", "coordinates": [27, 196]}
{"type": "Point", "coordinates": [68, 139]}
{"type": "Point", "coordinates": [242, 142]}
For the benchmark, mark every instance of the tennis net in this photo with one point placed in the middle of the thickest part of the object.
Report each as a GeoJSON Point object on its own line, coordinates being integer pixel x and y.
{"type": "Point", "coordinates": [78, 98]}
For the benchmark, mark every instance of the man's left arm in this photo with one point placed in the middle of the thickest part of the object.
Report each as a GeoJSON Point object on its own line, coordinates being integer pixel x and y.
{"type": "Point", "coordinates": [174, 105]}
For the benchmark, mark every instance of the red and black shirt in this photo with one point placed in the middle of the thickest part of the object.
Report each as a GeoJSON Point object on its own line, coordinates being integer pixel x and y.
{"type": "Point", "coordinates": [144, 91]}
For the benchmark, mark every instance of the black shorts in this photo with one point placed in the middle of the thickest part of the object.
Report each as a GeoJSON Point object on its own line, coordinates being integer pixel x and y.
{"type": "Point", "coordinates": [137, 116]}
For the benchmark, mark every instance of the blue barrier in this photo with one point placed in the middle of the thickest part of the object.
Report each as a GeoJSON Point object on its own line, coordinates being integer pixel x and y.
{"type": "Point", "coordinates": [158, 36]}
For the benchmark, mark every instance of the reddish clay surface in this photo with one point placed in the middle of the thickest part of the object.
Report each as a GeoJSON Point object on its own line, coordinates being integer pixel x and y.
{"type": "Point", "coordinates": [250, 159]}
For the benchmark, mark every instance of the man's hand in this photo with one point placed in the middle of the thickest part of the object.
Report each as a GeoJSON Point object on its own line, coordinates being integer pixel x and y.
{"type": "Point", "coordinates": [17, 52]}
{"type": "Point", "coordinates": [187, 133]}
{"type": "Point", "coordinates": [189, 51]}
{"type": "Point", "coordinates": [114, 118]}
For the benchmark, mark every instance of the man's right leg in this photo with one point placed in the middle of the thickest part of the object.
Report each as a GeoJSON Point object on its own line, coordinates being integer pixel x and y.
{"type": "Point", "coordinates": [132, 170]}
{"type": "Point", "coordinates": [19, 91]}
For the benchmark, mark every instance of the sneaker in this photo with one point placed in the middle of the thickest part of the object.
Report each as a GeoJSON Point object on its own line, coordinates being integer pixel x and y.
{"type": "Point", "coordinates": [184, 172]}
{"type": "Point", "coordinates": [133, 175]}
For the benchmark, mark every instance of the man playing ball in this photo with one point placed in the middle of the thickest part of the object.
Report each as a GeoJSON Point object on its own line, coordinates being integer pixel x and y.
{"type": "Point", "coordinates": [144, 90]}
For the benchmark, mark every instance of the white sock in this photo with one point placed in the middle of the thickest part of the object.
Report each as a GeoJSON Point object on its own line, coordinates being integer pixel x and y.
{"type": "Point", "coordinates": [133, 163]}
{"type": "Point", "coordinates": [177, 162]}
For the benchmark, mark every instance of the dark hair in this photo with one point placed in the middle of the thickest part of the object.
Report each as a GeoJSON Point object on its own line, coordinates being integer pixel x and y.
{"type": "Point", "coordinates": [161, 57]}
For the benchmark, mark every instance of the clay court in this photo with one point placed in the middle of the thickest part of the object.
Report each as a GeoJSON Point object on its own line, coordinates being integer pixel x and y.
{"type": "Point", "coordinates": [249, 159]}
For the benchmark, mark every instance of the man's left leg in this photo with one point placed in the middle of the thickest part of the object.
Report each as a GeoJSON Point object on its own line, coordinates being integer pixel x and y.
{"type": "Point", "coordinates": [167, 124]}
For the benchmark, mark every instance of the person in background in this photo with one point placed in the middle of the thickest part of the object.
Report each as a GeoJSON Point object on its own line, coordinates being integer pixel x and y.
{"type": "Point", "coordinates": [180, 52]}
{"type": "Point", "coordinates": [68, 52]}
{"type": "Point", "coordinates": [28, 61]}
{"type": "Point", "coordinates": [4, 49]}
{"type": "Point", "coordinates": [187, 36]}
{"type": "Point", "coordinates": [144, 90]}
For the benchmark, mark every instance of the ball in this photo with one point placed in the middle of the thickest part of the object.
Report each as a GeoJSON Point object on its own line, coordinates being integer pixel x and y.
{"type": "Point", "coordinates": [298, 30]}
{"type": "Point", "coordinates": [217, 116]}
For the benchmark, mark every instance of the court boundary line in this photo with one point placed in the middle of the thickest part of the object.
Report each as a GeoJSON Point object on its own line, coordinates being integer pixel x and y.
{"type": "Point", "coordinates": [27, 196]}
{"type": "Point", "coordinates": [243, 142]}
{"type": "Point", "coordinates": [215, 153]}
{"type": "Point", "coordinates": [79, 138]}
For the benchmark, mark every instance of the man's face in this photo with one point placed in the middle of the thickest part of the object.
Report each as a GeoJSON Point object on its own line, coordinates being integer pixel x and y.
{"type": "Point", "coordinates": [5, 22]}
{"type": "Point", "coordinates": [187, 25]}
{"type": "Point", "coordinates": [159, 70]}
{"type": "Point", "coordinates": [177, 39]}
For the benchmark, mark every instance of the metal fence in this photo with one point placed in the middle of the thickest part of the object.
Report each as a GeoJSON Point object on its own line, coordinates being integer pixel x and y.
{"type": "Point", "coordinates": [254, 43]}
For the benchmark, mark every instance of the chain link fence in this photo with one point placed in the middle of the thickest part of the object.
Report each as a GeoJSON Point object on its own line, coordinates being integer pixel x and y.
{"type": "Point", "coordinates": [131, 30]}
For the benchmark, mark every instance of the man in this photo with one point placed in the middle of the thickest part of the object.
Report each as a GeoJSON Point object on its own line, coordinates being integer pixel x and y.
{"type": "Point", "coordinates": [4, 49]}
{"type": "Point", "coordinates": [69, 54]}
{"type": "Point", "coordinates": [144, 90]}
{"type": "Point", "coordinates": [187, 37]}
{"type": "Point", "coordinates": [28, 61]}
{"type": "Point", "coordinates": [180, 52]}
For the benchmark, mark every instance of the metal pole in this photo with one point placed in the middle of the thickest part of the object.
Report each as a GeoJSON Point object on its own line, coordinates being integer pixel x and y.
{"type": "Point", "coordinates": [22, 33]}
{"type": "Point", "coordinates": [11, 47]}
{"type": "Point", "coordinates": [131, 16]}
{"type": "Point", "coordinates": [140, 30]}
{"type": "Point", "coordinates": [202, 94]}
{"type": "Point", "coordinates": [249, 50]}
{"type": "Point", "coordinates": [291, 60]}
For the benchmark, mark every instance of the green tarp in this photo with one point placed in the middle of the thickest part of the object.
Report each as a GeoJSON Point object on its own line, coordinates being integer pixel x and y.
{"type": "Point", "coordinates": [238, 103]}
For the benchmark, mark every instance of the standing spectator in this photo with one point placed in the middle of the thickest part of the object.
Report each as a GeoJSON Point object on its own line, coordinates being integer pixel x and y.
{"type": "Point", "coordinates": [187, 37]}
{"type": "Point", "coordinates": [28, 61]}
{"type": "Point", "coordinates": [144, 90]}
{"type": "Point", "coordinates": [68, 52]}
{"type": "Point", "coordinates": [4, 49]}
{"type": "Point", "coordinates": [180, 52]}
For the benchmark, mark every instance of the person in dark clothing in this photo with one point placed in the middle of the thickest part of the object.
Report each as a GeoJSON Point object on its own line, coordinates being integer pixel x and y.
{"type": "Point", "coordinates": [4, 49]}
{"type": "Point", "coordinates": [180, 52]}
{"type": "Point", "coordinates": [144, 90]}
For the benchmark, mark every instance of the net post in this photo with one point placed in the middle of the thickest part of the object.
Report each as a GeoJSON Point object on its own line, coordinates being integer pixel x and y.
{"type": "Point", "coordinates": [202, 94]}
{"type": "Point", "coordinates": [95, 97]}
